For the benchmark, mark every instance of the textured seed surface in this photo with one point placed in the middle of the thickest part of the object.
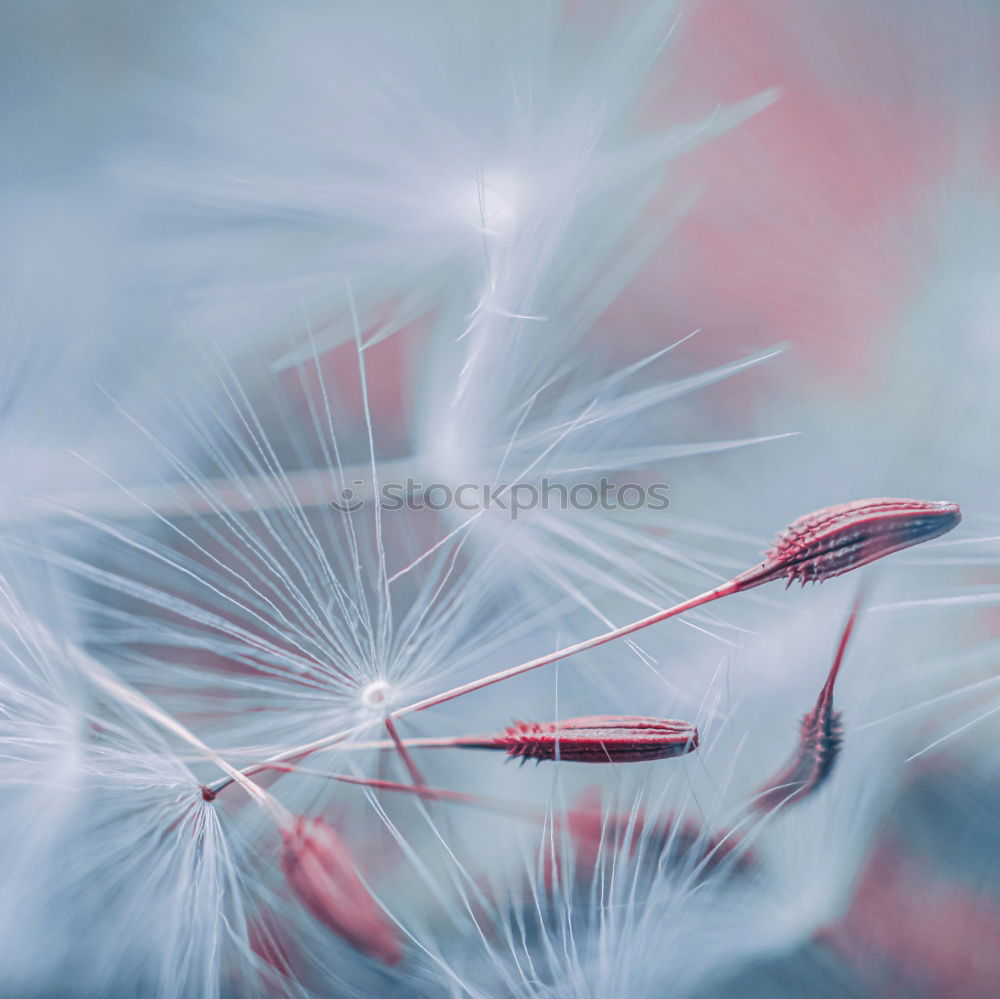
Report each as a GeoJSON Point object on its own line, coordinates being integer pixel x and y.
{"type": "Point", "coordinates": [837, 539]}
{"type": "Point", "coordinates": [820, 736]}
{"type": "Point", "coordinates": [600, 739]}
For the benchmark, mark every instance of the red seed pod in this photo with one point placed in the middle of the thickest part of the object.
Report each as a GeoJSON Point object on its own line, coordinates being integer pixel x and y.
{"type": "Point", "coordinates": [836, 540]}
{"type": "Point", "coordinates": [821, 735]}
{"type": "Point", "coordinates": [600, 739]}
{"type": "Point", "coordinates": [820, 738]}
{"type": "Point", "coordinates": [321, 871]}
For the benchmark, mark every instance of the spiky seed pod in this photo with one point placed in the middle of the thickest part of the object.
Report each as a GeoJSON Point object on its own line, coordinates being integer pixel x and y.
{"type": "Point", "coordinates": [837, 539]}
{"type": "Point", "coordinates": [820, 736]}
{"type": "Point", "coordinates": [600, 739]}
{"type": "Point", "coordinates": [321, 871]}
{"type": "Point", "coordinates": [813, 548]}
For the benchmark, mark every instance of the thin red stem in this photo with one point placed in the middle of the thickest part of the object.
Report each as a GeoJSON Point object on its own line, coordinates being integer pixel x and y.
{"type": "Point", "coordinates": [591, 643]}
{"type": "Point", "coordinates": [725, 590]}
{"type": "Point", "coordinates": [415, 773]}
{"type": "Point", "coordinates": [437, 794]}
{"type": "Point", "coordinates": [500, 805]}
{"type": "Point", "coordinates": [434, 742]}
{"type": "Point", "coordinates": [845, 636]}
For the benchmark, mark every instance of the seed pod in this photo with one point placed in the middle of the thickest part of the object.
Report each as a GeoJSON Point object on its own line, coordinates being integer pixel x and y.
{"type": "Point", "coordinates": [820, 738]}
{"type": "Point", "coordinates": [321, 871]}
{"type": "Point", "coordinates": [836, 540]}
{"type": "Point", "coordinates": [599, 739]}
{"type": "Point", "coordinates": [821, 735]}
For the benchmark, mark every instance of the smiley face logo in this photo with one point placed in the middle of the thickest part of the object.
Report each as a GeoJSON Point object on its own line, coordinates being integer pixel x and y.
{"type": "Point", "coordinates": [347, 501]}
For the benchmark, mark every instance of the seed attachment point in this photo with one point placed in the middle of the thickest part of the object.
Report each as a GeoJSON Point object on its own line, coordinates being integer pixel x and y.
{"type": "Point", "coordinates": [376, 695]}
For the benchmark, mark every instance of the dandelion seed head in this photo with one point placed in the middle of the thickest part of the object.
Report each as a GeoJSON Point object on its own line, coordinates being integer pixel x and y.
{"type": "Point", "coordinates": [91, 771]}
{"type": "Point", "coordinates": [243, 704]}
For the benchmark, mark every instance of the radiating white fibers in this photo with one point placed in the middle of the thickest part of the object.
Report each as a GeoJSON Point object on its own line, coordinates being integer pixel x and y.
{"type": "Point", "coordinates": [360, 361]}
